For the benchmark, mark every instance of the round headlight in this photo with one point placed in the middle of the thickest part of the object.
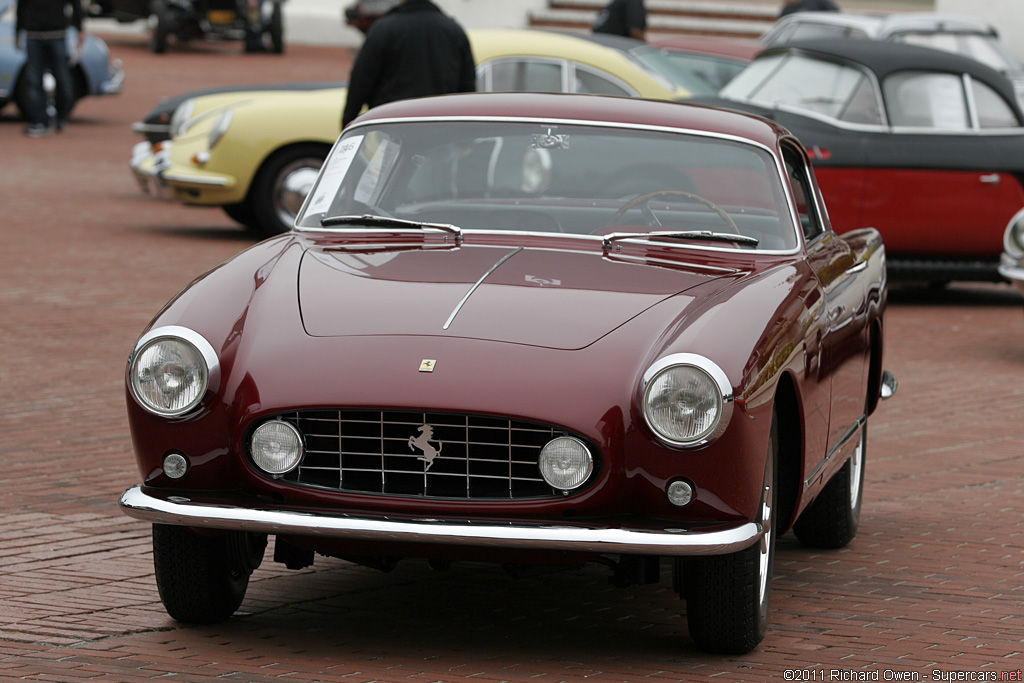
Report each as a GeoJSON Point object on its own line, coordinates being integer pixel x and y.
{"type": "Point", "coordinates": [276, 447]}
{"type": "Point", "coordinates": [686, 404]}
{"type": "Point", "coordinates": [1013, 238]}
{"type": "Point", "coordinates": [565, 463]}
{"type": "Point", "coordinates": [169, 375]}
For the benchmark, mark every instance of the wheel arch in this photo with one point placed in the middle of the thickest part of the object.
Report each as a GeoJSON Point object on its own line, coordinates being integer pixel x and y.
{"type": "Point", "coordinates": [790, 455]}
{"type": "Point", "coordinates": [874, 367]}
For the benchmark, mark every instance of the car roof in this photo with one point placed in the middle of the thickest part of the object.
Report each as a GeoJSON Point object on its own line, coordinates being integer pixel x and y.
{"type": "Point", "coordinates": [882, 26]}
{"type": "Point", "coordinates": [585, 109]}
{"type": "Point", "coordinates": [934, 21]}
{"type": "Point", "coordinates": [708, 46]}
{"type": "Point", "coordinates": [885, 58]}
{"type": "Point", "coordinates": [488, 44]}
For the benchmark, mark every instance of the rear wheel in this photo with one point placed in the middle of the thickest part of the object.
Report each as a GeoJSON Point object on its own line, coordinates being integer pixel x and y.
{"type": "Point", "coordinates": [831, 520]}
{"type": "Point", "coordinates": [203, 579]}
{"type": "Point", "coordinates": [281, 186]}
{"type": "Point", "coordinates": [727, 595]}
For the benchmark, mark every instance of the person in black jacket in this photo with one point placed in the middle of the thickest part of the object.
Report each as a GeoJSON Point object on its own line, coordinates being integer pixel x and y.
{"type": "Point", "coordinates": [41, 30]}
{"type": "Point", "coordinates": [623, 18]}
{"type": "Point", "coordinates": [808, 6]}
{"type": "Point", "coordinates": [414, 50]}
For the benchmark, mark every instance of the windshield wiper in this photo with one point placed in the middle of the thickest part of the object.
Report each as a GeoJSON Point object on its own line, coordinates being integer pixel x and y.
{"type": "Point", "coordinates": [699, 235]}
{"type": "Point", "coordinates": [372, 220]}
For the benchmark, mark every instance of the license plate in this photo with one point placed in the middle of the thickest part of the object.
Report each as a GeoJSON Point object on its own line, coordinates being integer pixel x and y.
{"type": "Point", "coordinates": [220, 16]}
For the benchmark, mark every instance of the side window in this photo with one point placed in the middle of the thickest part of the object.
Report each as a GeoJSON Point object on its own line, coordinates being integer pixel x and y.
{"type": "Point", "coordinates": [525, 75]}
{"type": "Point", "coordinates": [799, 180]}
{"type": "Point", "coordinates": [591, 83]}
{"type": "Point", "coordinates": [993, 111]}
{"type": "Point", "coordinates": [926, 100]}
{"type": "Point", "coordinates": [863, 106]}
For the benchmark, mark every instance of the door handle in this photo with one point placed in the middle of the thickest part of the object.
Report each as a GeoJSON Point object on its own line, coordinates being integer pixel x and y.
{"type": "Point", "coordinates": [991, 179]}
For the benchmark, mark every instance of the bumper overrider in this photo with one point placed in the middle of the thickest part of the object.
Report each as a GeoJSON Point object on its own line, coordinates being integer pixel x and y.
{"type": "Point", "coordinates": [211, 513]}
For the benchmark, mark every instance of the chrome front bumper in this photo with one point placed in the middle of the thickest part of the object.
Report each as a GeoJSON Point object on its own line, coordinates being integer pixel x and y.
{"type": "Point", "coordinates": [148, 165]}
{"type": "Point", "coordinates": [179, 511]}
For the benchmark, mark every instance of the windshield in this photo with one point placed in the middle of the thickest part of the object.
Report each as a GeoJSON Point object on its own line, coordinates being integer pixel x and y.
{"type": "Point", "coordinates": [813, 85]}
{"type": "Point", "coordinates": [545, 178]}
{"type": "Point", "coordinates": [678, 73]}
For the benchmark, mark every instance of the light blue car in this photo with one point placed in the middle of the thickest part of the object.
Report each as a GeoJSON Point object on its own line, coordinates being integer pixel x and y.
{"type": "Point", "coordinates": [93, 73]}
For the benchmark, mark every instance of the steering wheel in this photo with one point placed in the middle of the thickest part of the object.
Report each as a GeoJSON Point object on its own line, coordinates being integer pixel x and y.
{"type": "Point", "coordinates": [652, 220]}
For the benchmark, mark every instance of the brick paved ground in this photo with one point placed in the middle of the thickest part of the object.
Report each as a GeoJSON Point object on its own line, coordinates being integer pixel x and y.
{"type": "Point", "coordinates": [932, 584]}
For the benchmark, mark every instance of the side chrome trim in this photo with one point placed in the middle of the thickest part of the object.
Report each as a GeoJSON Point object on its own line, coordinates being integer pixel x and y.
{"type": "Point", "coordinates": [669, 542]}
{"type": "Point", "coordinates": [853, 431]}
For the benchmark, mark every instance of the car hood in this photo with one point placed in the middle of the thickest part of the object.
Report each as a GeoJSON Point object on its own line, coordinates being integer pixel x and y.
{"type": "Point", "coordinates": [541, 297]}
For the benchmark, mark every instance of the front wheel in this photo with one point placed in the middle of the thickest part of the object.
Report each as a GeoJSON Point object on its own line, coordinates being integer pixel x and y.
{"type": "Point", "coordinates": [831, 521]}
{"type": "Point", "coordinates": [281, 186]}
{"type": "Point", "coordinates": [203, 579]}
{"type": "Point", "coordinates": [727, 595]}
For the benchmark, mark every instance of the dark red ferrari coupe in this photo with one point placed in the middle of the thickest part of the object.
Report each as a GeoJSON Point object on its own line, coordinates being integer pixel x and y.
{"type": "Point", "coordinates": [529, 329]}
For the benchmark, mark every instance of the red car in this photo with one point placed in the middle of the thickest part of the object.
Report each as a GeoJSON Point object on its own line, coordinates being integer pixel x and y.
{"type": "Point", "coordinates": [531, 329]}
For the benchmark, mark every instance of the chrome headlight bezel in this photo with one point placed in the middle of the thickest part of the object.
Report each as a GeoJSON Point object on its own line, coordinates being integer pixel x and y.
{"type": "Point", "coordinates": [181, 116]}
{"type": "Point", "coordinates": [220, 126]}
{"type": "Point", "coordinates": [191, 343]}
{"type": "Point", "coordinates": [1013, 237]}
{"type": "Point", "coordinates": [719, 393]}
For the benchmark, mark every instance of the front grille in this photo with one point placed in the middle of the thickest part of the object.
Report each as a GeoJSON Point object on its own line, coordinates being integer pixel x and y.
{"type": "Point", "coordinates": [433, 455]}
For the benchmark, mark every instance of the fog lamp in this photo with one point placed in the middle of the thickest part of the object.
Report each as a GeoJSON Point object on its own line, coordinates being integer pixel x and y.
{"type": "Point", "coordinates": [276, 447]}
{"type": "Point", "coordinates": [565, 463]}
{"type": "Point", "coordinates": [680, 493]}
{"type": "Point", "coordinates": [175, 465]}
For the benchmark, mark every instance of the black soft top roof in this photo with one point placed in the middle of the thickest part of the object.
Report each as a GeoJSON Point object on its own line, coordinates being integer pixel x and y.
{"type": "Point", "coordinates": [885, 57]}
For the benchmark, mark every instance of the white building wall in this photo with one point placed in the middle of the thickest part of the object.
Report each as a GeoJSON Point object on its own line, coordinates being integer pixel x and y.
{"type": "Point", "coordinates": [1006, 15]}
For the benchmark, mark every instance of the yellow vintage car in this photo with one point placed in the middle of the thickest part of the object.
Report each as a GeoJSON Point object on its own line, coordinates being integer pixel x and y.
{"type": "Point", "coordinates": [256, 153]}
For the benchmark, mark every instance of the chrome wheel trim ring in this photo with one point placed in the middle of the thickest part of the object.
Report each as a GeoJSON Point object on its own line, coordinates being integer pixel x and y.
{"type": "Point", "coordinates": [856, 473]}
{"type": "Point", "coordinates": [291, 187]}
{"type": "Point", "coordinates": [767, 522]}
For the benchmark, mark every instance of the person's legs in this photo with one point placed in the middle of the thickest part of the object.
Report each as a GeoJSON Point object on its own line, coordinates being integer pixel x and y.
{"type": "Point", "coordinates": [57, 63]}
{"type": "Point", "coordinates": [35, 53]}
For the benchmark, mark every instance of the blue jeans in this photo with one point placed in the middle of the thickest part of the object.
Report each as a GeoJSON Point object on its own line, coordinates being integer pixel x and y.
{"type": "Point", "coordinates": [50, 54]}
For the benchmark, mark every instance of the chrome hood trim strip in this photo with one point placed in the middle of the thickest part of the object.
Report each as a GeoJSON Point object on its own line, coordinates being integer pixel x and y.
{"type": "Point", "coordinates": [670, 542]}
{"type": "Point", "coordinates": [458, 306]}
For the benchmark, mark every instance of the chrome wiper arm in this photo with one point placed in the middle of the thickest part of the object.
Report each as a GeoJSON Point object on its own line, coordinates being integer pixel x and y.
{"type": "Point", "coordinates": [389, 221]}
{"type": "Point", "coordinates": [699, 235]}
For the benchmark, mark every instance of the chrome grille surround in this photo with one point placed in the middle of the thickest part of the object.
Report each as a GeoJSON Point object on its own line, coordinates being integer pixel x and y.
{"type": "Point", "coordinates": [422, 454]}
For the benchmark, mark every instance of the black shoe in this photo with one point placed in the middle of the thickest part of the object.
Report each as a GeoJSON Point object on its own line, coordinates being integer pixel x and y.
{"type": "Point", "coordinates": [60, 125]}
{"type": "Point", "coordinates": [36, 130]}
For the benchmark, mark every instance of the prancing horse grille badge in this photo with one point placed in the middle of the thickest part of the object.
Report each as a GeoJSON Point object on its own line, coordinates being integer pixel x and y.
{"type": "Point", "coordinates": [427, 365]}
{"type": "Point", "coordinates": [422, 443]}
